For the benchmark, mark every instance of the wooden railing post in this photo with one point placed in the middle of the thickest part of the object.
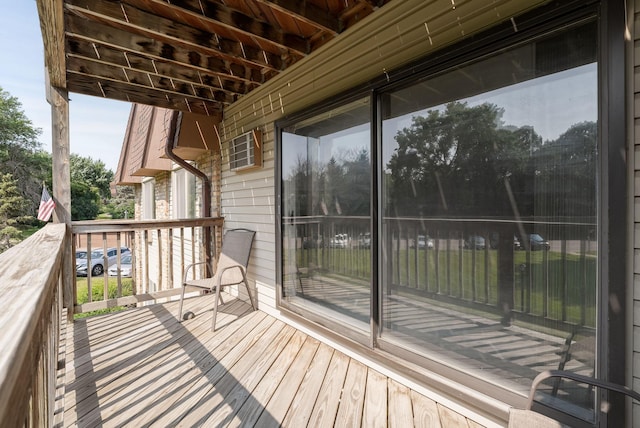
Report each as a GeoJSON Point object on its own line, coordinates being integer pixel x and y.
{"type": "Point", "coordinates": [29, 337]}
{"type": "Point", "coordinates": [59, 100]}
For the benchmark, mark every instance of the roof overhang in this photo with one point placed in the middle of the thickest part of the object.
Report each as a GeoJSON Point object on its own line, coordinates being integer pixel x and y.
{"type": "Point", "coordinates": [197, 56]}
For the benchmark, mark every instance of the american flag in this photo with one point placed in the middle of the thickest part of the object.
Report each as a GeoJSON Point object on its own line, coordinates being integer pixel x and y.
{"type": "Point", "coordinates": [47, 204]}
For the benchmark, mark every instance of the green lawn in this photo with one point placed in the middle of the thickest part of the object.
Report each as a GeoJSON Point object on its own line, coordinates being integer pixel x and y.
{"type": "Point", "coordinates": [97, 293]}
{"type": "Point", "coordinates": [545, 280]}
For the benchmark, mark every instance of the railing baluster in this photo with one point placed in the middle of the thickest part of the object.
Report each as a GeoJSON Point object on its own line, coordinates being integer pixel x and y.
{"type": "Point", "coordinates": [119, 264]}
{"type": "Point", "coordinates": [105, 267]}
{"type": "Point", "coordinates": [89, 264]}
{"type": "Point", "coordinates": [170, 257]}
{"type": "Point", "coordinates": [565, 289]}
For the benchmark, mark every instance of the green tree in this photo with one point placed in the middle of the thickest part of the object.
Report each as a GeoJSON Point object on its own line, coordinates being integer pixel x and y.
{"type": "Point", "coordinates": [12, 207]}
{"type": "Point", "coordinates": [122, 204]}
{"type": "Point", "coordinates": [93, 173]}
{"type": "Point", "coordinates": [20, 152]}
{"type": "Point", "coordinates": [457, 161]}
{"type": "Point", "coordinates": [85, 203]}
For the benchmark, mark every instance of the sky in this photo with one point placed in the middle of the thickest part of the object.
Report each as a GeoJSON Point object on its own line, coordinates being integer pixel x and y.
{"type": "Point", "coordinates": [97, 126]}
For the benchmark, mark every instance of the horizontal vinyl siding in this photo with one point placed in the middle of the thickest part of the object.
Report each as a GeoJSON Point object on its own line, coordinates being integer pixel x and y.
{"type": "Point", "coordinates": [399, 33]}
{"type": "Point", "coordinates": [248, 200]}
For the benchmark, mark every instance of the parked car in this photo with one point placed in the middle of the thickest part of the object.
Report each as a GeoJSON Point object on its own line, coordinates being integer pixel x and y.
{"type": "Point", "coordinates": [125, 267]}
{"type": "Point", "coordinates": [312, 243]}
{"type": "Point", "coordinates": [475, 242]}
{"type": "Point", "coordinates": [516, 243]}
{"type": "Point", "coordinates": [537, 242]}
{"type": "Point", "coordinates": [341, 240]}
{"type": "Point", "coordinates": [364, 240]}
{"type": "Point", "coordinates": [423, 242]}
{"type": "Point", "coordinates": [97, 260]}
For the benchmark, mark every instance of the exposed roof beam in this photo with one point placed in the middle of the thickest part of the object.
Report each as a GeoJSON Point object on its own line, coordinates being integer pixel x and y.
{"type": "Point", "coordinates": [103, 34]}
{"type": "Point", "coordinates": [136, 21]}
{"type": "Point", "coordinates": [150, 81]}
{"type": "Point", "coordinates": [188, 73]}
{"type": "Point", "coordinates": [216, 15]}
{"type": "Point", "coordinates": [51, 13]}
{"type": "Point", "coordinates": [103, 88]}
{"type": "Point", "coordinates": [307, 12]}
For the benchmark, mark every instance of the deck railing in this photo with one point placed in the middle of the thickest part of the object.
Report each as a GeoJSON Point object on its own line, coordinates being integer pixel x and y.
{"type": "Point", "coordinates": [489, 265]}
{"type": "Point", "coordinates": [30, 298]}
{"type": "Point", "coordinates": [159, 251]}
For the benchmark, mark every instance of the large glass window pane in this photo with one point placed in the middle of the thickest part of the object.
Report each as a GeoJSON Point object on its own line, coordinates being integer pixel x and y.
{"type": "Point", "coordinates": [490, 220]}
{"type": "Point", "coordinates": [326, 241]}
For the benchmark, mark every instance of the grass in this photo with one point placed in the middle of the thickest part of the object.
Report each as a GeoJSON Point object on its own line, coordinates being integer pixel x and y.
{"type": "Point", "coordinates": [97, 293]}
{"type": "Point", "coordinates": [544, 282]}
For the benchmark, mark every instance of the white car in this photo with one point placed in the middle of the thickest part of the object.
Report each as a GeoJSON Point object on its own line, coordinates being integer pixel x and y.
{"type": "Point", "coordinates": [125, 267]}
{"type": "Point", "coordinates": [97, 260]}
{"type": "Point", "coordinates": [341, 240]}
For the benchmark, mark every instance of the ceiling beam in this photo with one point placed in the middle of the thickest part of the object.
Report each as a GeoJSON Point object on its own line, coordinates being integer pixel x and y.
{"type": "Point", "coordinates": [95, 86]}
{"type": "Point", "coordinates": [93, 51]}
{"type": "Point", "coordinates": [215, 15]}
{"type": "Point", "coordinates": [307, 12]}
{"type": "Point", "coordinates": [51, 13]}
{"type": "Point", "coordinates": [136, 21]}
{"type": "Point", "coordinates": [77, 27]}
{"type": "Point", "coordinates": [149, 81]}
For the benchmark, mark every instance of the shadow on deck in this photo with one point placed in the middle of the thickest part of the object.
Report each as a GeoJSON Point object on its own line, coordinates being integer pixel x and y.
{"type": "Point", "coordinates": [142, 368]}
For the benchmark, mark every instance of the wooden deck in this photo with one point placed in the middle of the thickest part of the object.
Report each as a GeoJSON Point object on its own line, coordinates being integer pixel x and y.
{"type": "Point", "coordinates": [142, 368]}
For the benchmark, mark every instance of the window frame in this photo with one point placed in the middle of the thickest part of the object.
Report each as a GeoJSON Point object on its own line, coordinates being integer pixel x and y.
{"type": "Point", "coordinates": [612, 175]}
{"type": "Point", "coordinates": [183, 194]}
{"type": "Point", "coordinates": [249, 143]}
{"type": "Point", "coordinates": [148, 199]}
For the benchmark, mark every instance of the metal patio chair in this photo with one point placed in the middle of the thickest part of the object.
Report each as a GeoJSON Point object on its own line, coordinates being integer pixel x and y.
{"type": "Point", "coordinates": [230, 269]}
{"type": "Point", "coordinates": [532, 419]}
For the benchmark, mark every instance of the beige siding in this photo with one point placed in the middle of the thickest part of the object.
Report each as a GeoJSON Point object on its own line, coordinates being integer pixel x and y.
{"type": "Point", "coordinates": [248, 200]}
{"type": "Point", "coordinates": [397, 34]}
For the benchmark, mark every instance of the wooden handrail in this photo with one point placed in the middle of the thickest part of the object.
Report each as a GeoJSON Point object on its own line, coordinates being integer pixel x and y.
{"type": "Point", "coordinates": [157, 246]}
{"type": "Point", "coordinates": [30, 327]}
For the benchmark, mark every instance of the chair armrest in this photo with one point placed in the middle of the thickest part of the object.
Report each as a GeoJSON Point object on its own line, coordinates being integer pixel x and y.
{"type": "Point", "coordinates": [226, 268]}
{"type": "Point", "coordinates": [581, 379]}
{"type": "Point", "coordinates": [186, 271]}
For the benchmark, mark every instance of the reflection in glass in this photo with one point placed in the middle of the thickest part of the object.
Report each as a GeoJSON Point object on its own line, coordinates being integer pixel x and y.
{"type": "Point", "coordinates": [326, 241]}
{"type": "Point", "coordinates": [489, 202]}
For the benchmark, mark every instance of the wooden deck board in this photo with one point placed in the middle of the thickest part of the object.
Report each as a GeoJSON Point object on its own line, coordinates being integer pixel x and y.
{"type": "Point", "coordinates": [352, 397]}
{"type": "Point", "coordinates": [302, 405]}
{"type": "Point", "coordinates": [148, 350]}
{"type": "Point", "coordinates": [399, 404]}
{"type": "Point", "coordinates": [164, 380]}
{"type": "Point", "coordinates": [327, 402]}
{"type": "Point", "coordinates": [375, 402]}
{"type": "Point", "coordinates": [143, 368]}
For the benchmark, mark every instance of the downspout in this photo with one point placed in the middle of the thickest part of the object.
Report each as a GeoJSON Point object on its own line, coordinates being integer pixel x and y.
{"type": "Point", "coordinates": [172, 142]}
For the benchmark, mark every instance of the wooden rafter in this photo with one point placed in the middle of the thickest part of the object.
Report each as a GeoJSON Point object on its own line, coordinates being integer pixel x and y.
{"type": "Point", "coordinates": [139, 22]}
{"type": "Point", "coordinates": [213, 15]}
{"type": "Point", "coordinates": [190, 55]}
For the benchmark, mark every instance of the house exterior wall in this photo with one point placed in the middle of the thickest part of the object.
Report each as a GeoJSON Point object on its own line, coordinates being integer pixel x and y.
{"type": "Point", "coordinates": [400, 34]}
{"type": "Point", "coordinates": [395, 37]}
{"type": "Point", "coordinates": [247, 201]}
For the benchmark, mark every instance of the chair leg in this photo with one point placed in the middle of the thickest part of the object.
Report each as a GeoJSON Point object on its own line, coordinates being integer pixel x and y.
{"type": "Point", "coordinates": [246, 284]}
{"type": "Point", "coordinates": [181, 300]}
{"type": "Point", "coordinates": [215, 308]}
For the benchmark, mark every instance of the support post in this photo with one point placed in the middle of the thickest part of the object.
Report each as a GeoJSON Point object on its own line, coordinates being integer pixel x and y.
{"type": "Point", "coordinates": [60, 150]}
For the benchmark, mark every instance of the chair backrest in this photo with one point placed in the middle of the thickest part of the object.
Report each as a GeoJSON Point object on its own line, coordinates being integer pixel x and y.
{"type": "Point", "coordinates": [236, 250]}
